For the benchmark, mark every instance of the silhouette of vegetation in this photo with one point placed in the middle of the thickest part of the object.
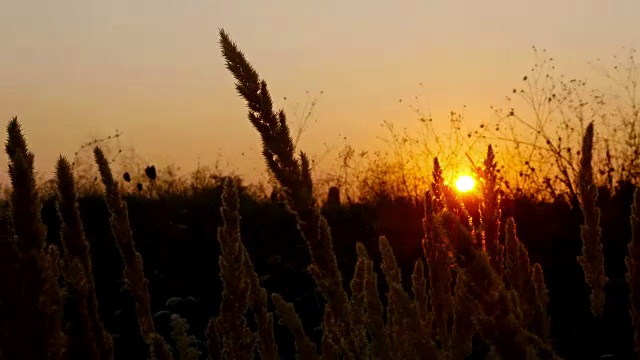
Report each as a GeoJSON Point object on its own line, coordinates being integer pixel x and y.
{"type": "Point", "coordinates": [128, 270]}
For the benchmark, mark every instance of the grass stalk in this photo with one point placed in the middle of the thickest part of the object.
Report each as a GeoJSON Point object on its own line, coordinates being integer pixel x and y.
{"type": "Point", "coordinates": [439, 264]}
{"type": "Point", "coordinates": [294, 175]}
{"type": "Point", "coordinates": [406, 326]}
{"type": "Point", "coordinates": [305, 348]}
{"type": "Point", "coordinates": [490, 213]}
{"type": "Point", "coordinates": [36, 321]}
{"type": "Point", "coordinates": [134, 277]}
{"type": "Point", "coordinates": [97, 343]}
{"type": "Point", "coordinates": [236, 339]}
{"type": "Point", "coordinates": [592, 259]}
{"type": "Point", "coordinates": [484, 292]}
{"type": "Point", "coordinates": [632, 262]}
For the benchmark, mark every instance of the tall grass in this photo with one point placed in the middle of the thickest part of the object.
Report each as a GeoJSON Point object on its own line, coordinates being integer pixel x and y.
{"type": "Point", "coordinates": [592, 260]}
{"type": "Point", "coordinates": [470, 284]}
{"type": "Point", "coordinates": [33, 304]}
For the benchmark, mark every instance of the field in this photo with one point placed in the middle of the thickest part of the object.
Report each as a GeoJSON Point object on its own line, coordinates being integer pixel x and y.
{"type": "Point", "coordinates": [217, 270]}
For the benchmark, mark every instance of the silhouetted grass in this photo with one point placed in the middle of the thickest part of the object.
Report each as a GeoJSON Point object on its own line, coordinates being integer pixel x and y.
{"type": "Point", "coordinates": [478, 288]}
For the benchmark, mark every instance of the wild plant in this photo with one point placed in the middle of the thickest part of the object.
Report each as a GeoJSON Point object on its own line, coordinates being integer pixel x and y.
{"type": "Point", "coordinates": [229, 332]}
{"type": "Point", "coordinates": [95, 342]}
{"type": "Point", "coordinates": [293, 174]}
{"type": "Point", "coordinates": [592, 260]}
{"type": "Point", "coordinates": [482, 292]}
{"type": "Point", "coordinates": [133, 268]}
{"type": "Point", "coordinates": [32, 310]}
{"type": "Point", "coordinates": [633, 269]}
{"type": "Point", "coordinates": [184, 341]}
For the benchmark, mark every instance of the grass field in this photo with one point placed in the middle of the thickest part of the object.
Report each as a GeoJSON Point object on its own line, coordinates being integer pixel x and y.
{"type": "Point", "coordinates": [218, 272]}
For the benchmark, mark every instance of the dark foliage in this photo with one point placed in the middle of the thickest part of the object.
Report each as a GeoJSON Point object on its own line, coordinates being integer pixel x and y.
{"type": "Point", "coordinates": [176, 236]}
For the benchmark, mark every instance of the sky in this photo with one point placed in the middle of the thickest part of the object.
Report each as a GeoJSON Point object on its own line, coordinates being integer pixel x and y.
{"type": "Point", "coordinates": [75, 70]}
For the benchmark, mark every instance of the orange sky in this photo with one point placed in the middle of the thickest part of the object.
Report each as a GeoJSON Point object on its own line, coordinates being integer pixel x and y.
{"type": "Point", "coordinates": [78, 69]}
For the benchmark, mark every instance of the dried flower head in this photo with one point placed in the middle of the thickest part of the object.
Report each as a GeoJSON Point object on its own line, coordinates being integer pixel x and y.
{"type": "Point", "coordinates": [150, 171]}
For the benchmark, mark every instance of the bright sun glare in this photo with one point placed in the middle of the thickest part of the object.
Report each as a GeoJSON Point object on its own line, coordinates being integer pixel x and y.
{"type": "Point", "coordinates": [465, 183]}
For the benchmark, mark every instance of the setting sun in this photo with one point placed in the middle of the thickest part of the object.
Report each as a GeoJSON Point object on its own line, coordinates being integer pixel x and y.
{"type": "Point", "coordinates": [465, 183]}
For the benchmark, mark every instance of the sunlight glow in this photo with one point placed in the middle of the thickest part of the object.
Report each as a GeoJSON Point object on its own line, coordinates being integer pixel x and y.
{"type": "Point", "coordinates": [465, 183]}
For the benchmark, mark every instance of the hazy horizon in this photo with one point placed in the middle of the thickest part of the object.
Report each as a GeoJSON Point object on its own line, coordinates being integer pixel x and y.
{"type": "Point", "coordinates": [152, 69]}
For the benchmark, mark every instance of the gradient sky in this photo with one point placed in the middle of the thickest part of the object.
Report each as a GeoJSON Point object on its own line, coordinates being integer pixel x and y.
{"type": "Point", "coordinates": [72, 70]}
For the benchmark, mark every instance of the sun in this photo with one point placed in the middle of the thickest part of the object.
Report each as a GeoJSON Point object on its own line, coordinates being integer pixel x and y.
{"type": "Point", "coordinates": [465, 183]}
